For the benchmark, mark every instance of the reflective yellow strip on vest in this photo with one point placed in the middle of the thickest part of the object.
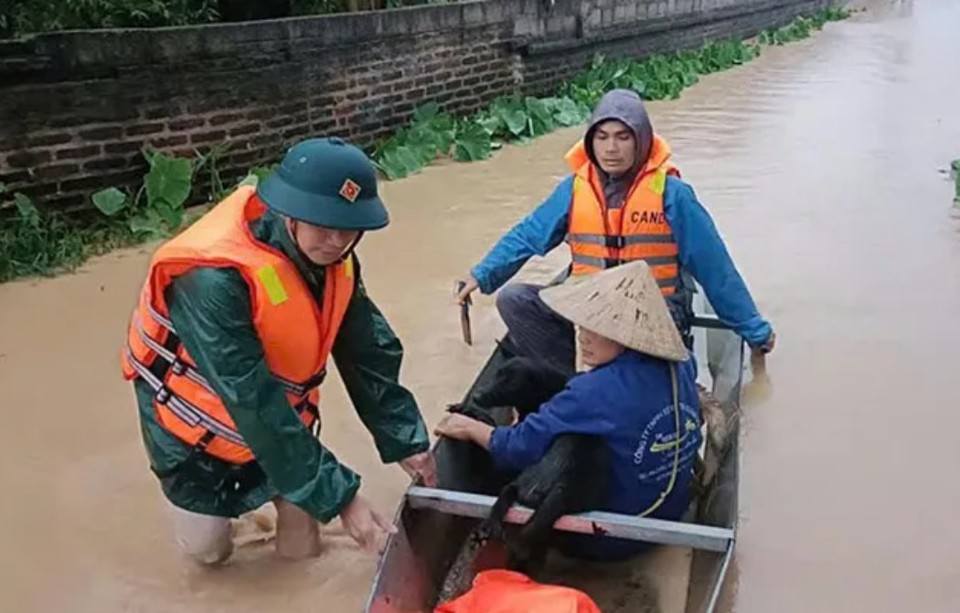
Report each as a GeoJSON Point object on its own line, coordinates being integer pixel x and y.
{"type": "Point", "coordinates": [657, 260]}
{"type": "Point", "coordinates": [658, 184]}
{"type": "Point", "coordinates": [602, 239]}
{"type": "Point", "coordinates": [186, 411]}
{"type": "Point", "coordinates": [276, 293]}
{"type": "Point", "coordinates": [660, 260]}
{"type": "Point", "coordinates": [605, 263]}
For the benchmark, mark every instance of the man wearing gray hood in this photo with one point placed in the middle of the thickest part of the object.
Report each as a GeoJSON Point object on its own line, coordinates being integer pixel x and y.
{"type": "Point", "coordinates": [623, 201]}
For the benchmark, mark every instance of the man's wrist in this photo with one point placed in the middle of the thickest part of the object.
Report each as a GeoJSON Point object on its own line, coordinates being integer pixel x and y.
{"type": "Point", "coordinates": [481, 435]}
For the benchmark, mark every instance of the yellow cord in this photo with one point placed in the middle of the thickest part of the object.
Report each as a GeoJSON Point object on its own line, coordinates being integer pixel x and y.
{"type": "Point", "coordinates": [676, 454]}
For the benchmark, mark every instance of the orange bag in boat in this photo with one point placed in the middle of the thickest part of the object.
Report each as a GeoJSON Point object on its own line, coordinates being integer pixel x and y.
{"type": "Point", "coordinates": [504, 591]}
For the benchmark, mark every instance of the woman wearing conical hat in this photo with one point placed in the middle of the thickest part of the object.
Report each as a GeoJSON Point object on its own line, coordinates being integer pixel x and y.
{"type": "Point", "coordinates": [640, 395]}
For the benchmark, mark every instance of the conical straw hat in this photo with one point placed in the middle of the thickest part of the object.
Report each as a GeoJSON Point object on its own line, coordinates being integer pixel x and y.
{"type": "Point", "coordinates": [623, 304]}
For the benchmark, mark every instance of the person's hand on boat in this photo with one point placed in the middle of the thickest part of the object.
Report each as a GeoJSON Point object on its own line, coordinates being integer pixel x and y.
{"type": "Point", "coordinates": [465, 428]}
{"type": "Point", "coordinates": [767, 346]}
{"type": "Point", "coordinates": [470, 285]}
{"type": "Point", "coordinates": [421, 465]}
{"type": "Point", "coordinates": [366, 525]}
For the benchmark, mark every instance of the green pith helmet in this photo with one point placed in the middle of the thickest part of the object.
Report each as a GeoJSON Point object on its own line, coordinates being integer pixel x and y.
{"type": "Point", "coordinates": [326, 182]}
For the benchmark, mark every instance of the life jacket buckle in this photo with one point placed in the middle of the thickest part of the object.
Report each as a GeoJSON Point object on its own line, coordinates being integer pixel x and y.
{"type": "Point", "coordinates": [205, 440]}
{"type": "Point", "coordinates": [178, 367]}
{"type": "Point", "coordinates": [315, 380]}
{"type": "Point", "coordinates": [305, 406]}
{"type": "Point", "coordinates": [163, 395]}
{"type": "Point", "coordinates": [614, 242]}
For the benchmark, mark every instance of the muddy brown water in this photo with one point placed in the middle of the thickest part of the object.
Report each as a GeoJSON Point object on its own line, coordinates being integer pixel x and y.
{"type": "Point", "coordinates": [820, 164]}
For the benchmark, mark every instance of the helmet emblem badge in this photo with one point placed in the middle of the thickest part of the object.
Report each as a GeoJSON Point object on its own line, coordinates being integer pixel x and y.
{"type": "Point", "coordinates": [350, 190]}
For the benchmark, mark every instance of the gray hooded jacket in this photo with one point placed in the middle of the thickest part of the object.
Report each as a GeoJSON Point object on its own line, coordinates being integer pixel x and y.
{"type": "Point", "coordinates": [627, 107]}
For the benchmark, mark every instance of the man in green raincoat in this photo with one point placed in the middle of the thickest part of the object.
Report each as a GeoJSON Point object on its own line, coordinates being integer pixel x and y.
{"type": "Point", "coordinates": [210, 335]}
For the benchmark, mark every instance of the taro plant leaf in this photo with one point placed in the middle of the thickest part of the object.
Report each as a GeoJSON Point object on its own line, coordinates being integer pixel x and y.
{"type": "Point", "coordinates": [514, 119]}
{"type": "Point", "coordinates": [426, 112]}
{"type": "Point", "coordinates": [110, 201]}
{"type": "Point", "coordinates": [172, 216]}
{"type": "Point", "coordinates": [399, 162]}
{"type": "Point", "coordinates": [492, 122]}
{"type": "Point", "coordinates": [426, 141]}
{"type": "Point", "coordinates": [413, 158]}
{"type": "Point", "coordinates": [169, 180]}
{"type": "Point", "coordinates": [539, 118]}
{"type": "Point", "coordinates": [565, 111]}
{"type": "Point", "coordinates": [391, 164]}
{"type": "Point", "coordinates": [510, 114]}
{"type": "Point", "coordinates": [472, 142]}
{"type": "Point", "coordinates": [148, 225]}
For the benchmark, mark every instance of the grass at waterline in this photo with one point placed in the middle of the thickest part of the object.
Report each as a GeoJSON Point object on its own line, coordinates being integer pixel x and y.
{"type": "Point", "coordinates": [34, 243]}
{"type": "Point", "coordinates": [54, 243]}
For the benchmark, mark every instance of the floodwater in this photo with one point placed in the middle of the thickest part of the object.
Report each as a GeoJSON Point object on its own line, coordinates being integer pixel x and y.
{"type": "Point", "coordinates": [820, 162]}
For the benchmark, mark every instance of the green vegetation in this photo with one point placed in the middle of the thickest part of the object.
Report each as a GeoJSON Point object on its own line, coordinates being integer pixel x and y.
{"type": "Point", "coordinates": [517, 118]}
{"type": "Point", "coordinates": [35, 243]}
{"type": "Point", "coordinates": [157, 209]}
{"type": "Point", "coordinates": [21, 17]}
{"type": "Point", "coordinates": [27, 16]}
{"type": "Point", "coordinates": [803, 27]}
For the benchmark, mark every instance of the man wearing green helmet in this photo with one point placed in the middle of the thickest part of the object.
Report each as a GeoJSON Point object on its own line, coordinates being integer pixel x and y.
{"type": "Point", "coordinates": [228, 346]}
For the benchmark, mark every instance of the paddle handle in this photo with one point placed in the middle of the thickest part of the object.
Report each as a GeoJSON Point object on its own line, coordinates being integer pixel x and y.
{"type": "Point", "coordinates": [465, 316]}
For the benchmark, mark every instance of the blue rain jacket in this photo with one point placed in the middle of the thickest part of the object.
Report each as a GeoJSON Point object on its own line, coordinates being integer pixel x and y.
{"type": "Point", "coordinates": [629, 402]}
{"type": "Point", "coordinates": [702, 253]}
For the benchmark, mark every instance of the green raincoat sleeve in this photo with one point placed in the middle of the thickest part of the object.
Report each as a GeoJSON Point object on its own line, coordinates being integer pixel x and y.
{"type": "Point", "coordinates": [210, 309]}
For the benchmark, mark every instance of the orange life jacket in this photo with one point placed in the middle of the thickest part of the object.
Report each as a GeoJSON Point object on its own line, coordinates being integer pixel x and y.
{"type": "Point", "coordinates": [601, 238]}
{"type": "Point", "coordinates": [297, 336]}
{"type": "Point", "coordinates": [504, 591]}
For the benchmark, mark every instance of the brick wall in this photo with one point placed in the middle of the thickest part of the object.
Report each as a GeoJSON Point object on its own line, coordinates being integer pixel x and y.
{"type": "Point", "coordinates": [636, 29]}
{"type": "Point", "coordinates": [76, 107]}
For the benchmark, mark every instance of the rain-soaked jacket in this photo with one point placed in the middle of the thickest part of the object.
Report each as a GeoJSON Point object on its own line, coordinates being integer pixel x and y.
{"type": "Point", "coordinates": [210, 309]}
{"type": "Point", "coordinates": [629, 402]}
{"type": "Point", "coordinates": [702, 252]}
